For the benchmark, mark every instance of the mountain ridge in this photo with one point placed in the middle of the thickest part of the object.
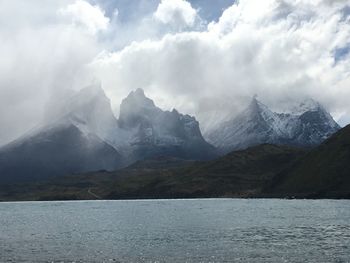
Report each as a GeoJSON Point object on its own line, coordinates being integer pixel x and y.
{"type": "Point", "coordinates": [88, 118]}
{"type": "Point", "coordinates": [144, 131]}
{"type": "Point", "coordinates": [258, 124]}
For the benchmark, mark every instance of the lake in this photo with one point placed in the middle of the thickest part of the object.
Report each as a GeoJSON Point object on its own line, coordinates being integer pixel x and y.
{"type": "Point", "coordinates": [200, 230]}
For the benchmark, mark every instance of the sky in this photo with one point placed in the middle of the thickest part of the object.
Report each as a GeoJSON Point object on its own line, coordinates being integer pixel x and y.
{"type": "Point", "coordinates": [205, 58]}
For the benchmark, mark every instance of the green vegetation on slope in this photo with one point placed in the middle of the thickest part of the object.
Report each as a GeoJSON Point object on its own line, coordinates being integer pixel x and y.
{"type": "Point", "coordinates": [238, 174]}
{"type": "Point", "coordinates": [322, 172]}
{"type": "Point", "coordinates": [261, 171]}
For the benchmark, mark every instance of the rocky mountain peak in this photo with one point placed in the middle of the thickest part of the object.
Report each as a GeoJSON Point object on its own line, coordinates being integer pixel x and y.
{"type": "Point", "coordinates": [308, 124]}
{"type": "Point", "coordinates": [137, 99]}
{"type": "Point", "coordinates": [256, 109]}
{"type": "Point", "coordinates": [135, 108]}
{"type": "Point", "coordinates": [90, 111]}
{"type": "Point", "coordinates": [92, 91]}
{"type": "Point", "coordinates": [305, 105]}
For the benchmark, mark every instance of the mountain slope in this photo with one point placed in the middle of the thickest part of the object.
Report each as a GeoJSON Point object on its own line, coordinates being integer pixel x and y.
{"type": "Point", "coordinates": [55, 151]}
{"type": "Point", "coordinates": [238, 174]}
{"type": "Point", "coordinates": [323, 172]}
{"type": "Point", "coordinates": [76, 139]}
{"type": "Point", "coordinates": [307, 125]}
{"type": "Point", "coordinates": [90, 111]}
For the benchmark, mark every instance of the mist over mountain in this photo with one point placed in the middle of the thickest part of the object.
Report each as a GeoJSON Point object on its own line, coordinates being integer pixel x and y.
{"type": "Point", "coordinates": [204, 58]}
{"type": "Point", "coordinates": [180, 102]}
{"type": "Point", "coordinates": [305, 125]}
{"type": "Point", "coordinates": [74, 140]}
{"type": "Point", "coordinates": [83, 135]}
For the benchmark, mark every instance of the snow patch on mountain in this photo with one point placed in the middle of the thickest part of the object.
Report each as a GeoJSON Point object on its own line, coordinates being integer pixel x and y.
{"type": "Point", "coordinates": [151, 129]}
{"type": "Point", "coordinates": [307, 124]}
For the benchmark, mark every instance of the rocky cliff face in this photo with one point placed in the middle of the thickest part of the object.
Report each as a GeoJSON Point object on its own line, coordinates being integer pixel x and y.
{"type": "Point", "coordinates": [153, 131]}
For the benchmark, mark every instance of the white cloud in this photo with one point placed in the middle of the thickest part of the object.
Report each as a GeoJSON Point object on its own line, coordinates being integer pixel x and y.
{"type": "Point", "coordinates": [41, 60]}
{"type": "Point", "coordinates": [280, 50]}
{"type": "Point", "coordinates": [84, 14]}
{"type": "Point", "coordinates": [178, 13]}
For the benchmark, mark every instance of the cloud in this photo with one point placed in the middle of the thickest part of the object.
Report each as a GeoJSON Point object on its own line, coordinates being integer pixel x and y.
{"type": "Point", "coordinates": [84, 14]}
{"type": "Point", "coordinates": [282, 50]}
{"type": "Point", "coordinates": [279, 49]}
{"type": "Point", "coordinates": [177, 13]}
{"type": "Point", "coordinates": [42, 58]}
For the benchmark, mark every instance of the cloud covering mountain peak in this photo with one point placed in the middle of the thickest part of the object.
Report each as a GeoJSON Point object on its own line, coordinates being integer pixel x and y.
{"type": "Point", "coordinates": [282, 50]}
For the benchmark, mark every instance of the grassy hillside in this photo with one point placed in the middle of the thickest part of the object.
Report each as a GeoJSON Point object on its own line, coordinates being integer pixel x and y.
{"type": "Point", "coordinates": [261, 171]}
{"type": "Point", "coordinates": [241, 173]}
{"type": "Point", "coordinates": [238, 174]}
{"type": "Point", "coordinates": [322, 172]}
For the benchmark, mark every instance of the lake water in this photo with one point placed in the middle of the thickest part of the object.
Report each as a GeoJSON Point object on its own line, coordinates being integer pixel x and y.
{"type": "Point", "coordinates": [212, 230]}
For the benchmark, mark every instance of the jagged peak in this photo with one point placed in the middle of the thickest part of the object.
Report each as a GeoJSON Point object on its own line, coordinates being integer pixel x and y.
{"type": "Point", "coordinates": [79, 101]}
{"type": "Point", "coordinates": [89, 93]}
{"type": "Point", "coordinates": [296, 108]}
{"type": "Point", "coordinates": [139, 92]}
{"type": "Point", "coordinates": [137, 99]}
{"type": "Point", "coordinates": [304, 105]}
{"type": "Point", "coordinates": [135, 106]}
{"type": "Point", "coordinates": [309, 104]}
{"type": "Point", "coordinates": [254, 101]}
{"type": "Point", "coordinates": [257, 106]}
{"type": "Point", "coordinates": [84, 98]}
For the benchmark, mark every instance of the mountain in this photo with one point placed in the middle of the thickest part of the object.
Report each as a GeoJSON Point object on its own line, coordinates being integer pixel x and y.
{"type": "Point", "coordinates": [75, 140]}
{"type": "Point", "coordinates": [90, 111]}
{"type": "Point", "coordinates": [308, 124]}
{"type": "Point", "coordinates": [154, 132]}
{"type": "Point", "coordinates": [261, 171]}
{"type": "Point", "coordinates": [82, 134]}
{"type": "Point", "coordinates": [322, 172]}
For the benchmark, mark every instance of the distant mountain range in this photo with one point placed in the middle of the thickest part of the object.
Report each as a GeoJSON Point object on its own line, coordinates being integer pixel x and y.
{"type": "Point", "coordinates": [261, 171]}
{"type": "Point", "coordinates": [308, 125]}
{"type": "Point", "coordinates": [84, 135]}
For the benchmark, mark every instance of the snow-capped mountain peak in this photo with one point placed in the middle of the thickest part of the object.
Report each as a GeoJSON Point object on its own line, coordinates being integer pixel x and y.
{"type": "Point", "coordinates": [305, 125]}
{"type": "Point", "coordinates": [257, 107]}
{"type": "Point", "coordinates": [305, 105]}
